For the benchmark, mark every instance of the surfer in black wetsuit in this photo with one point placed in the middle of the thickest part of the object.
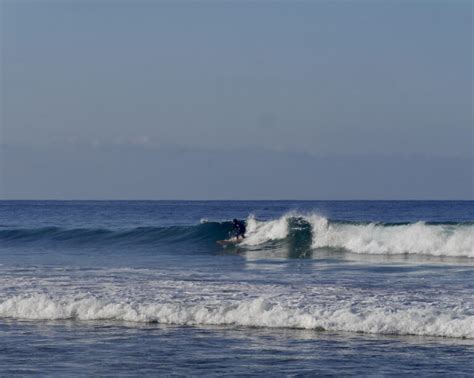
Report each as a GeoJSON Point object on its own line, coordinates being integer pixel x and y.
{"type": "Point", "coordinates": [239, 229]}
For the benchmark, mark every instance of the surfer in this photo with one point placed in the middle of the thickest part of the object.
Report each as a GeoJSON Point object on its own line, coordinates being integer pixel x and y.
{"type": "Point", "coordinates": [239, 229]}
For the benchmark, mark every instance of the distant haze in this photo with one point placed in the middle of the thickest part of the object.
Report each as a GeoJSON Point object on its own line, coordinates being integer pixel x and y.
{"type": "Point", "coordinates": [236, 100]}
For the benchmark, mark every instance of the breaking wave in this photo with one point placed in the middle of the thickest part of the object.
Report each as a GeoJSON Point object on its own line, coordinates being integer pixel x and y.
{"type": "Point", "coordinates": [453, 240]}
{"type": "Point", "coordinates": [417, 238]}
{"type": "Point", "coordinates": [423, 320]}
{"type": "Point", "coordinates": [299, 231]}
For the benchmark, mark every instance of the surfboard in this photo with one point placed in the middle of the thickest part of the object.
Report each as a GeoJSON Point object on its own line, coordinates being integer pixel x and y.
{"type": "Point", "coordinates": [232, 241]}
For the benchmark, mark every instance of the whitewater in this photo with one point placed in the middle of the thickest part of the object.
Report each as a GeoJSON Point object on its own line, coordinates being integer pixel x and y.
{"type": "Point", "coordinates": [180, 302]}
{"type": "Point", "coordinates": [456, 240]}
{"type": "Point", "coordinates": [309, 280]}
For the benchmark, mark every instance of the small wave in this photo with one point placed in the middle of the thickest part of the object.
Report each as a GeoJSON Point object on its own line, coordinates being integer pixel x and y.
{"type": "Point", "coordinates": [258, 312]}
{"type": "Point", "coordinates": [205, 231]}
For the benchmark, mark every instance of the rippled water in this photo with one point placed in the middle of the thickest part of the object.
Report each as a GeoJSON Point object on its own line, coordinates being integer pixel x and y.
{"type": "Point", "coordinates": [316, 287]}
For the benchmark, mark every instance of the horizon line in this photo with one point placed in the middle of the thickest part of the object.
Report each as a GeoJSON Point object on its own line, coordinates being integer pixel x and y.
{"type": "Point", "coordinates": [233, 200]}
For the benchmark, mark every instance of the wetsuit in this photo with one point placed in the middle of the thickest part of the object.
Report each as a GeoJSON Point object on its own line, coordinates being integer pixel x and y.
{"type": "Point", "coordinates": [239, 229]}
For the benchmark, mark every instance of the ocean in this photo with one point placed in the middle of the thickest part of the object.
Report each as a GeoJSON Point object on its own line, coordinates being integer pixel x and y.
{"type": "Point", "coordinates": [317, 287]}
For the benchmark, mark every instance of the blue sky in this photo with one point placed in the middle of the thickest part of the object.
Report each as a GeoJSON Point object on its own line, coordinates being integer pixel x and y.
{"type": "Point", "coordinates": [236, 100]}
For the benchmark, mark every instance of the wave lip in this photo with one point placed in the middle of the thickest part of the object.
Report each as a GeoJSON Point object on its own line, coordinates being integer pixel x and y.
{"type": "Point", "coordinates": [260, 232]}
{"type": "Point", "coordinates": [258, 312]}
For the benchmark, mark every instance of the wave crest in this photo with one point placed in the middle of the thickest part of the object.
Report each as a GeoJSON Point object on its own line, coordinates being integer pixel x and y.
{"type": "Point", "coordinates": [416, 238]}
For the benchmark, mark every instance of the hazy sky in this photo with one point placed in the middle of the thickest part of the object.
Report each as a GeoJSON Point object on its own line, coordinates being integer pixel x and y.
{"type": "Point", "coordinates": [249, 99]}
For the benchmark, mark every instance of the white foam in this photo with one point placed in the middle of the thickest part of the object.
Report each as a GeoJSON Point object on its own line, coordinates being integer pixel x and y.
{"type": "Point", "coordinates": [259, 232]}
{"type": "Point", "coordinates": [424, 320]}
{"type": "Point", "coordinates": [141, 295]}
{"type": "Point", "coordinates": [417, 238]}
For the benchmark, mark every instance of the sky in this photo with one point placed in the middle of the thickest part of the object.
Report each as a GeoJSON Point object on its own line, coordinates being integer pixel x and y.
{"type": "Point", "coordinates": [236, 100]}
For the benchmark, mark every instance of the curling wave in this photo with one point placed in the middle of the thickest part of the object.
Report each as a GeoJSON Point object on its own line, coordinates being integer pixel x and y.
{"type": "Point", "coordinates": [417, 238]}
{"type": "Point", "coordinates": [450, 239]}
{"type": "Point", "coordinates": [297, 231]}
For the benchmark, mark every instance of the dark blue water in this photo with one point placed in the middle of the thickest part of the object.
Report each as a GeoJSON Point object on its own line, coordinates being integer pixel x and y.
{"type": "Point", "coordinates": [328, 287]}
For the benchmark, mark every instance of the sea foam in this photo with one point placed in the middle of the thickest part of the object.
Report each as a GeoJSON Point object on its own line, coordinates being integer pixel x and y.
{"type": "Point", "coordinates": [416, 238]}
{"type": "Point", "coordinates": [423, 320]}
{"type": "Point", "coordinates": [371, 238]}
{"type": "Point", "coordinates": [259, 232]}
